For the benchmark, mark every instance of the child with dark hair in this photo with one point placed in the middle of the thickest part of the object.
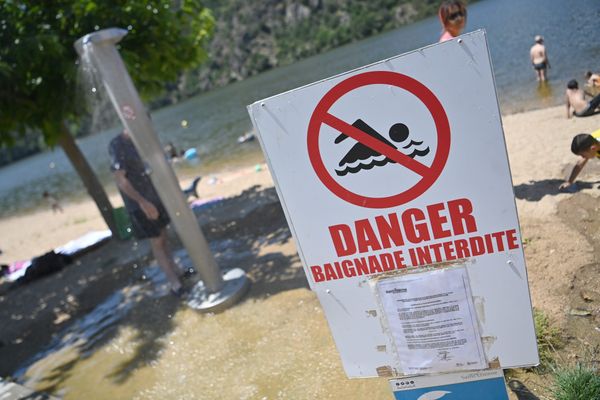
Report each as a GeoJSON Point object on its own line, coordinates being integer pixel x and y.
{"type": "Point", "coordinates": [587, 147]}
{"type": "Point", "coordinates": [453, 16]}
{"type": "Point", "coordinates": [576, 104]}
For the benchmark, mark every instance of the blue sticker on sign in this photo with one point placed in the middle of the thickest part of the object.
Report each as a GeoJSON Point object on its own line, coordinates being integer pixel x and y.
{"type": "Point", "coordinates": [489, 389]}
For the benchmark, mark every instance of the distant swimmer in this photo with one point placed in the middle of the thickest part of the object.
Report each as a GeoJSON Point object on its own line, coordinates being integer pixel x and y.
{"type": "Point", "coordinates": [539, 58]}
{"type": "Point", "coordinates": [53, 202]}
{"type": "Point", "coordinates": [576, 103]}
{"type": "Point", "coordinates": [453, 17]}
{"type": "Point", "coordinates": [361, 157]}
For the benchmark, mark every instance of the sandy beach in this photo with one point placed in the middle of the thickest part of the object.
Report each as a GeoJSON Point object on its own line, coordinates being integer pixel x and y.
{"type": "Point", "coordinates": [276, 342]}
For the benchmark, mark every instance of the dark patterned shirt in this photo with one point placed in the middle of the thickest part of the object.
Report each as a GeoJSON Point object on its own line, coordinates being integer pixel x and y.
{"type": "Point", "coordinates": [124, 157]}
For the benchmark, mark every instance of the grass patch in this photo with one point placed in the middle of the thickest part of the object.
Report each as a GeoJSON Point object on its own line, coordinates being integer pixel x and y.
{"type": "Point", "coordinates": [581, 382]}
{"type": "Point", "coordinates": [548, 340]}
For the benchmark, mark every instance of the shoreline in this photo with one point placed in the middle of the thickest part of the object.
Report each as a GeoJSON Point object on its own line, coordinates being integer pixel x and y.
{"type": "Point", "coordinates": [36, 232]}
{"type": "Point", "coordinates": [48, 230]}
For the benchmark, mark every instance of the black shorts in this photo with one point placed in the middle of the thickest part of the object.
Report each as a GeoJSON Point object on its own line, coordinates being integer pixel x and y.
{"type": "Point", "coordinates": [144, 228]}
{"type": "Point", "coordinates": [540, 66]}
{"type": "Point", "coordinates": [590, 109]}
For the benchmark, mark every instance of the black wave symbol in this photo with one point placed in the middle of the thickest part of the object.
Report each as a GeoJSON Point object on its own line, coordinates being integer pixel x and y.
{"type": "Point", "coordinates": [374, 163]}
{"type": "Point", "coordinates": [366, 158]}
{"type": "Point", "coordinates": [412, 143]}
{"type": "Point", "coordinates": [419, 153]}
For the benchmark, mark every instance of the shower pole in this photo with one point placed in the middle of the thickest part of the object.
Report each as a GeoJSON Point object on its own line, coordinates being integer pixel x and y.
{"type": "Point", "coordinates": [216, 290]}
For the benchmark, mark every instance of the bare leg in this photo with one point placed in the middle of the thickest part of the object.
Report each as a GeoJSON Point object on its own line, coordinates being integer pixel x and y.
{"type": "Point", "coordinates": [162, 253]}
{"type": "Point", "coordinates": [543, 74]}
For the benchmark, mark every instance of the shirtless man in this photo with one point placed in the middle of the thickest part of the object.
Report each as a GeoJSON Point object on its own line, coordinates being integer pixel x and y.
{"type": "Point", "coordinates": [575, 98]}
{"type": "Point", "coordinates": [539, 59]}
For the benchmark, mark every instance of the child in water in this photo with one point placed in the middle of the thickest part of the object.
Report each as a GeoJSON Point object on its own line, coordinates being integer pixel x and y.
{"type": "Point", "coordinates": [53, 202]}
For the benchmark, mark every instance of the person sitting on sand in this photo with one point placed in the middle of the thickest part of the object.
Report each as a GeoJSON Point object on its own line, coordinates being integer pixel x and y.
{"type": "Point", "coordinates": [587, 147]}
{"type": "Point", "coordinates": [453, 16]}
{"type": "Point", "coordinates": [592, 86]}
{"type": "Point", "coordinates": [592, 79]}
{"type": "Point", "coordinates": [53, 202]}
{"type": "Point", "coordinates": [575, 98]}
{"type": "Point", "coordinates": [539, 58]}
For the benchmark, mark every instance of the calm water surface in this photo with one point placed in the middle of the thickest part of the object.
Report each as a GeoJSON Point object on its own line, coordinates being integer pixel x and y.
{"type": "Point", "coordinates": [217, 118]}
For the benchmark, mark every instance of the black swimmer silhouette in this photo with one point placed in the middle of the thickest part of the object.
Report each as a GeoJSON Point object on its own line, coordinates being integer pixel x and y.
{"type": "Point", "coordinates": [363, 157]}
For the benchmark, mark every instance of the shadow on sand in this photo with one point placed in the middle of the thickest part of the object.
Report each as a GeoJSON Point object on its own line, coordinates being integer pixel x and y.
{"type": "Point", "coordinates": [240, 231]}
{"type": "Point", "coordinates": [536, 190]}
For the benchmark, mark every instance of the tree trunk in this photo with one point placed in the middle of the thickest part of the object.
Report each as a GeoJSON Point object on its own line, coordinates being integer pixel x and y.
{"type": "Point", "coordinates": [89, 178]}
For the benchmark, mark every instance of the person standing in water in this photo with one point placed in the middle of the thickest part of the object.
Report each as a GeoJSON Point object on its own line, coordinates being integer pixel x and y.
{"type": "Point", "coordinates": [539, 58]}
{"type": "Point", "coordinates": [453, 16]}
{"type": "Point", "coordinates": [53, 201]}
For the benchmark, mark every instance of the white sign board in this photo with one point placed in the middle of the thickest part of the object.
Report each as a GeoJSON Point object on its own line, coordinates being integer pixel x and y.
{"type": "Point", "coordinates": [396, 167]}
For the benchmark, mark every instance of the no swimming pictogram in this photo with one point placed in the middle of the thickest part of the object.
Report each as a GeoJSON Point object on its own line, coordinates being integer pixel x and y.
{"type": "Point", "coordinates": [372, 145]}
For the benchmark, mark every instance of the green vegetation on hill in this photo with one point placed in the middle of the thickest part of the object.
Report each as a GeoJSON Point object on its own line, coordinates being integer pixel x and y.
{"type": "Point", "coordinates": [254, 36]}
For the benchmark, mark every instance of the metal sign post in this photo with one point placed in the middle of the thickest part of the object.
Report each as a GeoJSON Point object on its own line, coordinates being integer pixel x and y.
{"type": "Point", "coordinates": [216, 291]}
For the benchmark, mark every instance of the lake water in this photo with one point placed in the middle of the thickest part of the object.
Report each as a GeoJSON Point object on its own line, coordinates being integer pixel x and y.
{"type": "Point", "coordinates": [217, 118]}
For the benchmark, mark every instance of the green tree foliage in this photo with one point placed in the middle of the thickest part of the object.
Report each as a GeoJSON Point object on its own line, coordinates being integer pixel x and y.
{"type": "Point", "coordinates": [38, 62]}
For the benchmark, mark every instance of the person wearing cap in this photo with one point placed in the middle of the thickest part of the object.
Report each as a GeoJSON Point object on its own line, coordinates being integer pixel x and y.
{"type": "Point", "coordinates": [576, 103]}
{"type": "Point", "coordinates": [539, 58]}
{"type": "Point", "coordinates": [586, 146]}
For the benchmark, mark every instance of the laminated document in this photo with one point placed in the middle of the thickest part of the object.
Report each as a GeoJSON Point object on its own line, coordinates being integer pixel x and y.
{"type": "Point", "coordinates": [432, 320]}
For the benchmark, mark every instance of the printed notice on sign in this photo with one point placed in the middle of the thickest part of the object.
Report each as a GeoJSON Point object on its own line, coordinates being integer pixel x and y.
{"type": "Point", "coordinates": [432, 320]}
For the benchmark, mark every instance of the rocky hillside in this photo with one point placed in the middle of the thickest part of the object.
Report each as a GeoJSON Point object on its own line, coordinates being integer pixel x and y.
{"type": "Point", "coordinates": [253, 36]}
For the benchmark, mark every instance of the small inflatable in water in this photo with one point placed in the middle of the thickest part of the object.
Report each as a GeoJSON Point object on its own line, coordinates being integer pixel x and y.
{"type": "Point", "coordinates": [191, 156]}
{"type": "Point", "coordinates": [248, 137]}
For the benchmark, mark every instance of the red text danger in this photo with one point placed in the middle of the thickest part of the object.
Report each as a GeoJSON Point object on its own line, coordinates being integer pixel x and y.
{"type": "Point", "coordinates": [398, 240]}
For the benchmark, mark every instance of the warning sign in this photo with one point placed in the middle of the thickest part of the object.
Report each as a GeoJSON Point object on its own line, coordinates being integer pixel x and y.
{"type": "Point", "coordinates": [400, 168]}
{"type": "Point", "coordinates": [371, 149]}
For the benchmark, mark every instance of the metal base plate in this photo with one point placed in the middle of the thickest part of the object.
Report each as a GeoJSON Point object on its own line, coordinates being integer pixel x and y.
{"type": "Point", "coordinates": [236, 285]}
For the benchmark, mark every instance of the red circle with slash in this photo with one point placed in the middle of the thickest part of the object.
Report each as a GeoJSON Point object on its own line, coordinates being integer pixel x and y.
{"type": "Point", "coordinates": [429, 174]}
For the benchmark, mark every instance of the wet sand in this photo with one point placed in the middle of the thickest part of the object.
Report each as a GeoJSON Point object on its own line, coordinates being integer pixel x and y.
{"type": "Point", "coordinates": [275, 344]}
